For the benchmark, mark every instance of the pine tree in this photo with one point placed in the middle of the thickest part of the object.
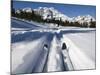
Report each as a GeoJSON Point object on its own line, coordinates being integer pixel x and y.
{"type": "Point", "coordinates": [92, 24]}
{"type": "Point", "coordinates": [13, 12]}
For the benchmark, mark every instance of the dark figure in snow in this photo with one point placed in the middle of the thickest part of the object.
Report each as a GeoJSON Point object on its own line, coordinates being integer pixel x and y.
{"type": "Point", "coordinates": [59, 22]}
{"type": "Point", "coordinates": [45, 45]}
{"type": "Point", "coordinates": [64, 46]}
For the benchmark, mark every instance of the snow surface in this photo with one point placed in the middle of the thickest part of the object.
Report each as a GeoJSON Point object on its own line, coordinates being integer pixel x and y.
{"type": "Point", "coordinates": [29, 54]}
{"type": "Point", "coordinates": [81, 50]}
{"type": "Point", "coordinates": [55, 62]}
{"type": "Point", "coordinates": [24, 54]}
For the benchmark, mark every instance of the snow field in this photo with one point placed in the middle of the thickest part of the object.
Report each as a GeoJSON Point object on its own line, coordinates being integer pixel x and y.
{"type": "Point", "coordinates": [29, 56]}
{"type": "Point", "coordinates": [25, 55]}
{"type": "Point", "coordinates": [79, 59]}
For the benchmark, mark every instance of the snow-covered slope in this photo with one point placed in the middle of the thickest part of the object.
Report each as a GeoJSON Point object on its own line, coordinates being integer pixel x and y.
{"type": "Point", "coordinates": [81, 49]}
{"type": "Point", "coordinates": [29, 55]}
{"type": "Point", "coordinates": [51, 13]}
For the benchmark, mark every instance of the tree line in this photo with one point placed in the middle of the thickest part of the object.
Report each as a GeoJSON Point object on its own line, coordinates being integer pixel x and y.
{"type": "Point", "coordinates": [31, 16]}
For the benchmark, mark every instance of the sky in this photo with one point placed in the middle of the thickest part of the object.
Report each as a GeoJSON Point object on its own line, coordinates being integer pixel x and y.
{"type": "Point", "coordinates": [67, 9]}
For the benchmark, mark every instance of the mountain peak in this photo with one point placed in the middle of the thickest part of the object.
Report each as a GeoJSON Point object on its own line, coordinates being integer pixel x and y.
{"type": "Point", "coordinates": [28, 10]}
{"type": "Point", "coordinates": [52, 13]}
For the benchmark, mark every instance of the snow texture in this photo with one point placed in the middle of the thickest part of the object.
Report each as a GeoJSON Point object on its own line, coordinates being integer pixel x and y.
{"type": "Point", "coordinates": [29, 54]}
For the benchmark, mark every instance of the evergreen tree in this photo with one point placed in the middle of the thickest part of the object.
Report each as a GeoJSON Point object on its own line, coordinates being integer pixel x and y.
{"type": "Point", "coordinates": [13, 12]}
{"type": "Point", "coordinates": [92, 24]}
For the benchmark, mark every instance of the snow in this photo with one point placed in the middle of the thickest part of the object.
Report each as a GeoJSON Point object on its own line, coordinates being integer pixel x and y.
{"type": "Point", "coordinates": [67, 60]}
{"type": "Point", "coordinates": [18, 11]}
{"type": "Point", "coordinates": [30, 56]}
{"type": "Point", "coordinates": [22, 24]}
{"type": "Point", "coordinates": [28, 10]}
{"type": "Point", "coordinates": [83, 19]}
{"type": "Point", "coordinates": [53, 13]}
{"type": "Point", "coordinates": [48, 13]}
{"type": "Point", "coordinates": [81, 49]}
{"type": "Point", "coordinates": [55, 59]}
{"type": "Point", "coordinates": [25, 55]}
{"type": "Point", "coordinates": [40, 65]}
{"type": "Point", "coordinates": [25, 23]}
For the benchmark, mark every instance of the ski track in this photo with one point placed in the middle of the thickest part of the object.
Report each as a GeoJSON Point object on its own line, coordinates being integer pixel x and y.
{"type": "Point", "coordinates": [29, 56]}
{"type": "Point", "coordinates": [54, 62]}
{"type": "Point", "coordinates": [79, 59]}
{"type": "Point", "coordinates": [25, 55]}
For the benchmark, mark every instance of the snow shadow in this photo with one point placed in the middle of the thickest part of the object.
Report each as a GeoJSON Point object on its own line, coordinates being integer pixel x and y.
{"type": "Point", "coordinates": [35, 60]}
{"type": "Point", "coordinates": [28, 36]}
{"type": "Point", "coordinates": [75, 31]}
{"type": "Point", "coordinates": [58, 35]}
{"type": "Point", "coordinates": [29, 62]}
{"type": "Point", "coordinates": [15, 23]}
{"type": "Point", "coordinates": [43, 54]}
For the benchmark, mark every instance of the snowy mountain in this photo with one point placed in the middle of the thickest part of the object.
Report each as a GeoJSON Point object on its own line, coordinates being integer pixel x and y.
{"type": "Point", "coordinates": [27, 10]}
{"type": "Point", "coordinates": [83, 19]}
{"type": "Point", "coordinates": [18, 11]}
{"type": "Point", "coordinates": [51, 13]}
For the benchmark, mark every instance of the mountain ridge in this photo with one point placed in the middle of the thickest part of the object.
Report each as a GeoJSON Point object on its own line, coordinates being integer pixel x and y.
{"type": "Point", "coordinates": [51, 12]}
{"type": "Point", "coordinates": [52, 15]}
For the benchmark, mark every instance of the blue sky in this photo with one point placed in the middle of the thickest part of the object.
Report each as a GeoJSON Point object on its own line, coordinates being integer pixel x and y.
{"type": "Point", "coordinates": [67, 9]}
